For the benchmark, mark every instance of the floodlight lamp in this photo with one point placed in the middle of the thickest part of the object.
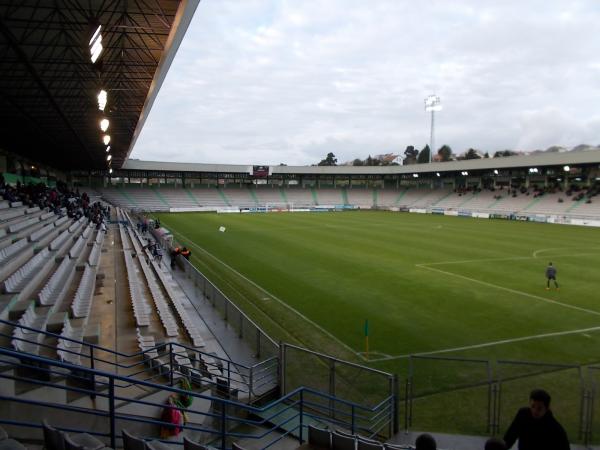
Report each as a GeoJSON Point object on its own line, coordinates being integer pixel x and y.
{"type": "Point", "coordinates": [566, 168]}
{"type": "Point", "coordinates": [95, 44]}
{"type": "Point", "coordinates": [437, 174]}
{"type": "Point", "coordinates": [533, 170]}
{"type": "Point", "coordinates": [109, 157]}
{"type": "Point", "coordinates": [495, 171]}
{"type": "Point", "coordinates": [415, 175]}
{"type": "Point", "coordinates": [433, 104]}
{"type": "Point", "coordinates": [104, 123]}
{"type": "Point", "coordinates": [106, 139]}
{"type": "Point", "coordinates": [577, 179]}
{"type": "Point", "coordinates": [95, 35]}
{"type": "Point", "coordinates": [102, 97]}
{"type": "Point", "coordinates": [108, 149]}
{"type": "Point", "coordinates": [110, 170]}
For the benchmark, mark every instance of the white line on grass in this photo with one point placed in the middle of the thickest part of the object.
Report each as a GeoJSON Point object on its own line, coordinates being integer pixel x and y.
{"type": "Point", "coordinates": [514, 291]}
{"type": "Point", "coordinates": [494, 343]}
{"type": "Point", "coordinates": [281, 302]}
{"type": "Point", "coordinates": [544, 250]}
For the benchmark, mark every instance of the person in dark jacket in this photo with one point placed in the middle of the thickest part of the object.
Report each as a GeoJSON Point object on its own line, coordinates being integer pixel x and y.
{"type": "Point", "coordinates": [551, 275]}
{"type": "Point", "coordinates": [535, 426]}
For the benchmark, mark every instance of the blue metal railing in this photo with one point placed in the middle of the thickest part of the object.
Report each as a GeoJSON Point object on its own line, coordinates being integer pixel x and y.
{"type": "Point", "coordinates": [285, 417]}
{"type": "Point", "coordinates": [252, 381]}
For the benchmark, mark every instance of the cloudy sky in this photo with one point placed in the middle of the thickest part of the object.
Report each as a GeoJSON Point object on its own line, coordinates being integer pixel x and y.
{"type": "Point", "coordinates": [286, 81]}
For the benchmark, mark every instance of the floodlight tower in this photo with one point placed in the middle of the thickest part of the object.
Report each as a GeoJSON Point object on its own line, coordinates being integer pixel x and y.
{"type": "Point", "coordinates": [432, 104]}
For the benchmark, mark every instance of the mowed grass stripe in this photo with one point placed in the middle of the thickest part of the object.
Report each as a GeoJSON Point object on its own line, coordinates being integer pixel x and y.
{"type": "Point", "coordinates": [341, 268]}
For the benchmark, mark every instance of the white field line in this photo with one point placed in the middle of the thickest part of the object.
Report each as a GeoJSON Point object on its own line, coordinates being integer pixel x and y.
{"type": "Point", "coordinates": [491, 344]}
{"type": "Point", "coordinates": [513, 291]}
{"type": "Point", "coordinates": [544, 250]}
{"type": "Point", "coordinates": [508, 258]}
{"type": "Point", "coordinates": [281, 302]}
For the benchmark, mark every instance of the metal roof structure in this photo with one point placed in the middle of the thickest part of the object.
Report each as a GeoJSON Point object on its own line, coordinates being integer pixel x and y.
{"type": "Point", "coordinates": [503, 163]}
{"type": "Point", "coordinates": [49, 85]}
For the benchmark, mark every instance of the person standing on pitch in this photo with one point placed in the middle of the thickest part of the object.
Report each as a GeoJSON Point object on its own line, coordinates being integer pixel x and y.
{"type": "Point", "coordinates": [551, 275]}
{"type": "Point", "coordinates": [535, 426]}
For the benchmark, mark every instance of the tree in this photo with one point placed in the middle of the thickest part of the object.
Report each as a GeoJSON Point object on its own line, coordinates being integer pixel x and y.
{"type": "Point", "coordinates": [410, 155]}
{"type": "Point", "coordinates": [424, 155]}
{"type": "Point", "coordinates": [357, 162]}
{"type": "Point", "coordinates": [445, 153]}
{"type": "Point", "coordinates": [487, 155]}
{"type": "Point", "coordinates": [472, 154]}
{"type": "Point", "coordinates": [503, 153]}
{"type": "Point", "coordinates": [330, 160]}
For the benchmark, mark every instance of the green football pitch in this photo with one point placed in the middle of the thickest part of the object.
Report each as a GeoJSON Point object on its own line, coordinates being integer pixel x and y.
{"type": "Point", "coordinates": [442, 287]}
{"type": "Point", "coordinates": [427, 284]}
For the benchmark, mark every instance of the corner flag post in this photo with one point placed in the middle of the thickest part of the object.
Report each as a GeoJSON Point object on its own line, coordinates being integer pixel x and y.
{"type": "Point", "coordinates": [367, 337]}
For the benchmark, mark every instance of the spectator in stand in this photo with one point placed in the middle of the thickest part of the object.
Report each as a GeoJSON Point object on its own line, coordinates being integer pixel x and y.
{"type": "Point", "coordinates": [186, 253]}
{"type": "Point", "coordinates": [535, 426]}
{"type": "Point", "coordinates": [174, 254]}
{"type": "Point", "coordinates": [425, 442]}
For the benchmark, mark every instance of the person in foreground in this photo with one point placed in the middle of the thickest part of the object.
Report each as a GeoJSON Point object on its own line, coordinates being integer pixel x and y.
{"type": "Point", "coordinates": [535, 426]}
{"type": "Point", "coordinates": [425, 442]}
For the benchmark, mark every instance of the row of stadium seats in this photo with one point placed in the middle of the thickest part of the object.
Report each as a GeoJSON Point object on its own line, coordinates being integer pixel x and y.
{"type": "Point", "coordinates": [474, 200]}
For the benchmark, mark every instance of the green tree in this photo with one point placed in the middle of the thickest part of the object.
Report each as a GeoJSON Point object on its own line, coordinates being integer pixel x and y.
{"type": "Point", "coordinates": [423, 155]}
{"type": "Point", "coordinates": [445, 153]}
{"type": "Point", "coordinates": [357, 162]}
{"type": "Point", "coordinates": [487, 155]}
{"type": "Point", "coordinates": [503, 153]}
{"type": "Point", "coordinates": [472, 154]}
{"type": "Point", "coordinates": [410, 155]}
{"type": "Point", "coordinates": [330, 160]}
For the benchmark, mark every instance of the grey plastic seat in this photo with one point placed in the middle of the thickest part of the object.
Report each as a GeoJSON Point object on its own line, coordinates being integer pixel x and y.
{"type": "Point", "coordinates": [131, 442]}
{"type": "Point", "coordinates": [342, 442]}
{"type": "Point", "coordinates": [55, 439]}
{"type": "Point", "coordinates": [368, 444]}
{"type": "Point", "coordinates": [191, 445]}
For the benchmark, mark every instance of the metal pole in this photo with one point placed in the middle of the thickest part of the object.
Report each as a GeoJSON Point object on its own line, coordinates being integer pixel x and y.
{"type": "Point", "coordinates": [92, 396]}
{"type": "Point", "coordinates": [282, 369]}
{"type": "Point", "coordinates": [258, 343]}
{"type": "Point", "coordinates": [223, 426]}
{"type": "Point", "coordinates": [171, 363]}
{"type": "Point", "coordinates": [431, 137]}
{"type": "Point", "coordinates": [301, 416]}
{"type": "Point", "coordinates": [111, 409]}
{"type": "Point", "coordinates": [332, 387]}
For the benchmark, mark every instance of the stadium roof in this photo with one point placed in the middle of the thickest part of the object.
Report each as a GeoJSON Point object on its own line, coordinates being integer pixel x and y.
{"type": "Point", "coordinates": [511, 162]}
{"type": "Point", "coordinates": [49, 86]}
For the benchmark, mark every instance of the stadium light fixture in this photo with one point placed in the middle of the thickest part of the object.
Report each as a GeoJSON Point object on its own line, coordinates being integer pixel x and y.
{"type": "Point", "coordinates": [495, 171]}
{"type": "Point", "coordinates": [108, 149]}
{"type": "Point", "coordinates": [104, 123]}
{"type": "Point", "coordinates": [102, 98]}
{"type": "Point", "coordinates": [533, 170]}
{"type": "Point", "coordinates": [566, 168]}
{"type": "Point", "coordinates": [415, 175]}
{"type": "Point", "coordinates": [109, 157]}
{"type": "Point", "coordinates": [464, 173]}
{"type": "Point", "coordinates": [437, 174]}
{"type": "Point", "coordinates": [110, 170]}
{"type": "Point", "coordinates": [95, 45]}
{"type": "Point", "coordinates": [578, 179]}
{"type": "Point", "coordinates": [433, 104]}
{"type": "Point", "coordinates": [106, 139]}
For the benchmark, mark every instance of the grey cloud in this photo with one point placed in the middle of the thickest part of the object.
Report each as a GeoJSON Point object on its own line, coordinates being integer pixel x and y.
{"type": "Point", "coordinates": [275, 81]}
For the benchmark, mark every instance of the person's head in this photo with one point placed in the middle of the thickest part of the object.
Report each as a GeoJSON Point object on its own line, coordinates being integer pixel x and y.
{"type": "Point", "coordinates": [425, 442]}
{"type": "Point", "coordinates": [549, 263]}
{"type": "Point", "coordinates": [495, 444]}
{"type": "Point", "coordinates": [539, 403]}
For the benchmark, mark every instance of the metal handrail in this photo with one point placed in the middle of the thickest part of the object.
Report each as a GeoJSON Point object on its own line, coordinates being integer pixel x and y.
{"type": "Point", "coordinates": [292, 401]}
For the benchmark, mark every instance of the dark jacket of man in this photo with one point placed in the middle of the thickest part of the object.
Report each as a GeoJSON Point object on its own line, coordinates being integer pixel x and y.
{"type": "Point", "coordinates": [536, 434]}
{"type": "Point", "coordinates": [550, 272]}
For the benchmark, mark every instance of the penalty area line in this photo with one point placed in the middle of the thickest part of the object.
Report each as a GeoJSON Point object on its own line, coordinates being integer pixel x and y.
{"type": "Point", "coordinates": [277, 299]}
{"type": "Point", "coordinates": [581, 331]}
{"type": "Point", "coordinates": [512, 291]}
